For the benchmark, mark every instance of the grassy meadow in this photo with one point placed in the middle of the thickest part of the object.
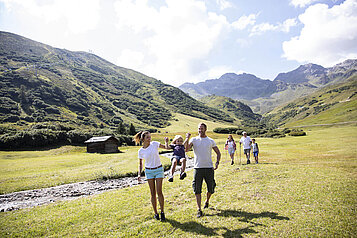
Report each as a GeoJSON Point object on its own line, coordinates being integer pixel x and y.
{"type": "Point", "coordinates": [302, 187]}
{"type": "Point", "coordinates": [23, 170]}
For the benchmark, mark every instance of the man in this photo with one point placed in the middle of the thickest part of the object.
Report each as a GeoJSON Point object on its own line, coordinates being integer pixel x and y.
{"type": "Point", "coordinates": [246, 141]}
{"type": "Point", "coordinates": [203, 165]}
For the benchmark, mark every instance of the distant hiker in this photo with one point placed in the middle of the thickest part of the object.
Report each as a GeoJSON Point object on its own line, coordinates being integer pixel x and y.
{"type": "Point", "coordinates": [255, 150]}
{"type": "Point", "coordinates": [203, 165]}
{"type": "Point", "coordinates": [246, 141]}
{"type": "Point", "coordinates": [179, 156]}
{"type": "Point", "coordinates": [231, 147]}
{"type": "Point", "coordinates": [153, 168]}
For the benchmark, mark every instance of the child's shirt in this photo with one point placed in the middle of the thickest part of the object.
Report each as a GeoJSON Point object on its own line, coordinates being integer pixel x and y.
{"type": "Point", "coordinates": [255, 147]}
{"type": "Point", "coordinates": [179, 150]}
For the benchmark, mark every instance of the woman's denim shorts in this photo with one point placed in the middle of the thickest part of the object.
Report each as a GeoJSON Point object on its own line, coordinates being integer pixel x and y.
{"type": "Point", "coordinates": [154, 173]}
{"type": "Point", "coordinates": [231, 151]}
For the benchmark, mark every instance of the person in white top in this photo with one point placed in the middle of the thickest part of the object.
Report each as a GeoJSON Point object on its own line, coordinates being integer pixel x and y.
{"type": "Point", "coordinates": [153, 168]}
{"type": "Point", "coordinates": [203, 165]}
{"type": "Point", "coordinates": [231, 147]}
{"type": "Point", "coordinates": [247, 142]}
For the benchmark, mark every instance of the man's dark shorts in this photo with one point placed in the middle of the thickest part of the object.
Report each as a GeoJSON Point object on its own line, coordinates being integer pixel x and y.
{"type": "Point", "coordinates": [246, 151]}
{"type": "Point", "coordinates": [208, 175]}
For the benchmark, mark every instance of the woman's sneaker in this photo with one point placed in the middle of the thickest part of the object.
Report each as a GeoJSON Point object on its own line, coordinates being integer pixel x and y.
{"type": "Point", "coordinates": [171, 179]}
{"type": "Point", "coordinates": [183, 175]}
{"type": "Point", "coordinates": [199, 214]}
{"type": "Point", "coordinates": [162, 216]}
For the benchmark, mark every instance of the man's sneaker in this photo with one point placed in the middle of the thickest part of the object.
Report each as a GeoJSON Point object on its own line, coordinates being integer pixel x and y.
{"type": "Point", "coordinates": [157, 217]}
{"type": "Point", "coordinates": [232, 162]}
{"type": "Point", "coordinates": [162, 216]}
{"type": "Point", "coordinates": [248, 161]}
{"type": "Point", "coordinates": [199, 213]}
{"type": "Point", "coordinates": [206, 205]}
{"type": "Point", "coordinates": [171, 179]}
{"type": "Point", "coordinates": [183, 175]}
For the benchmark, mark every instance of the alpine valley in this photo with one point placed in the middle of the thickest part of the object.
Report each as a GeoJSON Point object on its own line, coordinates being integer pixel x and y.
{"type": "Point", "coordinates": [60, 91]}
{"type": "Point", "coordinates": [263, 95]}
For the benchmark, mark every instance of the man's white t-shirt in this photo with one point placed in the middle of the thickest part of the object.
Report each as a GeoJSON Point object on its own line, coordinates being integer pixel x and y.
{"type": "Point", "coordinates": [202, 148]}
{"type": "Point", "coordinates": [246, 142]}
{"type": "Point", "coordinates": [150, 154]}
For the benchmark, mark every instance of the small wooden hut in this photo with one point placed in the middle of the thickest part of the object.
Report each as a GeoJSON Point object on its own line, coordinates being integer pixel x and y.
{"type": "Point", "coordinates": [102, 144]}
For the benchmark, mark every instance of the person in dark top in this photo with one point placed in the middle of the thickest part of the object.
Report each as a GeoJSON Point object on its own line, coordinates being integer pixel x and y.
{"type": "Point", "coordinates": [179, 157]}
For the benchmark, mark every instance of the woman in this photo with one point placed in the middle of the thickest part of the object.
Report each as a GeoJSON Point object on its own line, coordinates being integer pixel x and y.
{"type": "Point", "coordinates": [231, 147]}
{"type": "Point", "coordinates": [153, 168]}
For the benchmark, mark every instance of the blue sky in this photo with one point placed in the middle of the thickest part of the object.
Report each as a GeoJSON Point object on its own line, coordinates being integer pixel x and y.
{"type": "Point", "coordinates": [179, 41]}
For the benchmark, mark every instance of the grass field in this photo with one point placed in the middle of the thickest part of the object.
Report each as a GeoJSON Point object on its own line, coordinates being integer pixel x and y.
{"type": "Point", "coordinates": [303, 187]}
{"type": "Point", "coordinates": [23, 170]}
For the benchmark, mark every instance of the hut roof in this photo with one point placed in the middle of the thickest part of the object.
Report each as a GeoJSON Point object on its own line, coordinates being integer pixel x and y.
{"type": "Point", "coordinates": [99, 139]}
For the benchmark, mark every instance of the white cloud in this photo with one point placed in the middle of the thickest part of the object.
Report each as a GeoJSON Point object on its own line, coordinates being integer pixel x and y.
{"type": "Point", "coordinates": [302, 3]}
{"type": "Point", "coordinates": [218, 71]}
{"type": "Point", "coordinates": [223, 4]}
{"type": "Point", "coordinates": [244, 21]}
{"type": "Point", "coordinates": [130, 59]}
{"type": "Point", "coordinates": [282, 27]}
{"type": "Point", "coordinates": [329, 35]}
{"type": "Point", "coordinates": [287, 24]}
{"type": "Point", "coordinates": [79, 16]}
{"type": "Point", "coordinates": [177, 38]}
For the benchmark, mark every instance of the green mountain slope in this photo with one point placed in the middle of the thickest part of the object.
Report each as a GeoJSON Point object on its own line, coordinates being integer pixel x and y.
{"type": "Point", "coordinates": [332, 104]}
{"type": "Point", "coordinates": [39, 83]}
{"type": "Point", "coordinates": [232, 107]}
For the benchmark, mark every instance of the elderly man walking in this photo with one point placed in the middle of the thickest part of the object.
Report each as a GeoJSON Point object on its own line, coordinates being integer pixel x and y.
{"type": "Point", "coordinates": [203, 165]}
{"type": "Point", "coordinates": [247, 142]}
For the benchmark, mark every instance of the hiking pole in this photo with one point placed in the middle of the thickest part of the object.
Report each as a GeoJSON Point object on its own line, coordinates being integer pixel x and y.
{"type": "Point", "coordinates": [240, 154]}
{"type": "Point", "coordinates": [226, 153]}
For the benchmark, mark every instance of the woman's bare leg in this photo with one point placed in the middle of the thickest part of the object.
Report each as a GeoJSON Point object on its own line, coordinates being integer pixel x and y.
{"type": "Point", "coordinates": [151, 183]}
{"type": "Point", "coordinates": [160, 195]}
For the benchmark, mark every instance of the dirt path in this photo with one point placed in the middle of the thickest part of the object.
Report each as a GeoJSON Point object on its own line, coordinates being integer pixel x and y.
{"type": "Point", "coordinates": [32, 198]}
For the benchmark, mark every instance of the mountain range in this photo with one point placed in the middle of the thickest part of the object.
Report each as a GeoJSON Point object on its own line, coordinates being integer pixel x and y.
{"type": "Point", "coordinates": [40, 83]}
{"type": "Point", "coordinates": [263, 95]}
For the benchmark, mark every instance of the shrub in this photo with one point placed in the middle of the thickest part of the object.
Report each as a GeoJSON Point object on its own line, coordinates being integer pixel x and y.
{"type": "Point", "coordinates": [296, 132]}
{"type": "Point", "coordinates": [227, 130]}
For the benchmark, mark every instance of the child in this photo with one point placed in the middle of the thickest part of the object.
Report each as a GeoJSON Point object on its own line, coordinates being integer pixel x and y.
{"type": "Point", "coordinates": [255, 150]}
{"type": "Point", "coordinates": [179, 157]}
{"type": "Point", "coordinates": [231, 146]}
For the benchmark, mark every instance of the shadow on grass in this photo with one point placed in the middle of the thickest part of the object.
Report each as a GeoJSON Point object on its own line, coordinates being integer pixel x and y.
{"type": "Point", "coordinates": [193, 227]}
{"type": "Point", "coordinates": [247, 216]}
{"type": "Point", "coordinates": [199, 229]}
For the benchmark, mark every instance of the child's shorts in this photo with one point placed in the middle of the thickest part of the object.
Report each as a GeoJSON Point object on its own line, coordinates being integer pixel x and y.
{"type": "Point", "coordinates": [154, 173]}
{"type": "Point", "coordinates": [255, 153]}
{"type": "Point", "coordinates": [177, 158]}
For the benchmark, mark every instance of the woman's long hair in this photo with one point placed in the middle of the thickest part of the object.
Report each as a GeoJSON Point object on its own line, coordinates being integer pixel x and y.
{"type": "Point", "coordinates": [140, 136]}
